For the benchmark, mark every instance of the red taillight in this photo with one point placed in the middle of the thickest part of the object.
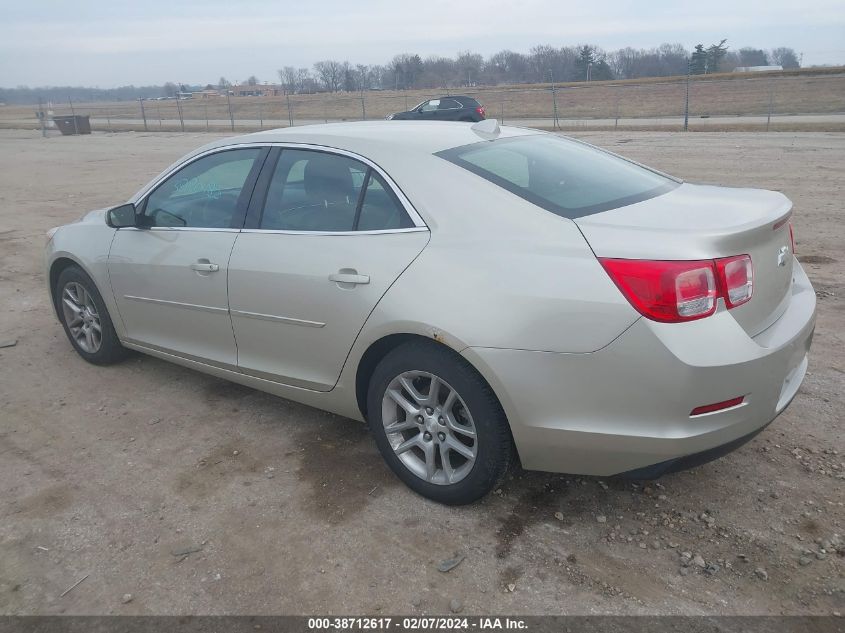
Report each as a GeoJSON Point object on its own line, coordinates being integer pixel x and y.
{"type": "Point", "coordinates": [666, 291]}
{"type": "Point", "coordinates": [717, 406]}
{"type": "Point", "coordinates": [737, 279]}
{"type": "Point", "coordinates": [480, 110]}
{"type": "Point", "coordinates": [677, 291]}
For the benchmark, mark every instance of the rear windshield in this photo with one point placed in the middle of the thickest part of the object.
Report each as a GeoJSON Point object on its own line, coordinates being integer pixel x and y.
{"type": "Point", "coordinates": [565, 177]}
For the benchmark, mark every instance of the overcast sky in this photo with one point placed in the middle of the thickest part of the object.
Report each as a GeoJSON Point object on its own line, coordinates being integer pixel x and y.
{"type": "Point", "coordinates": [111, 43]}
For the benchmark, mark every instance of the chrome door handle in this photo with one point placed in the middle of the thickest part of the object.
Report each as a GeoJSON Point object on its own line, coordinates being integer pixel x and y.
{"type": "Point", "coordinates": [349, 278]}
{"type": "Point", "coordinates": [205, 267]}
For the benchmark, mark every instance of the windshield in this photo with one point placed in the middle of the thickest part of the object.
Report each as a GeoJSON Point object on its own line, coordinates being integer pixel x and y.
{"type": "Point", "coordinates": [565, 177]}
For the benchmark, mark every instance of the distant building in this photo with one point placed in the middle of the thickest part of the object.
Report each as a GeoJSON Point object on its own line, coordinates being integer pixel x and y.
{"type": "Point", "coordinates": [756, 69]}
{"type": "Point", "coordinates": [258, 90]}
{"type": "Point", "coordinates": [205, 94]}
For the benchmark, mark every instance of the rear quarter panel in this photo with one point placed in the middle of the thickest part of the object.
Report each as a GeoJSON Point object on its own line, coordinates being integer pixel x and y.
{"type": "Point", "coordinates": [498, 272]}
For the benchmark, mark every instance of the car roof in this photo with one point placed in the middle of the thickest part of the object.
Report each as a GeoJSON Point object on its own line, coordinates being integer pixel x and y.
{"type": "Point", "coordinates": [376, 140]}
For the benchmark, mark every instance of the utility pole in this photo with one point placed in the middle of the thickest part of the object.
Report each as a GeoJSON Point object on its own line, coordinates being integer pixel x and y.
{"type": "Point", "coordinates": [554, 99]}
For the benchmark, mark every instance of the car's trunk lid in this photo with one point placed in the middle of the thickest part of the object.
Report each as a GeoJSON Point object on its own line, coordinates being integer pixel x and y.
{"type": "Point", "coordinates": [703, 222]}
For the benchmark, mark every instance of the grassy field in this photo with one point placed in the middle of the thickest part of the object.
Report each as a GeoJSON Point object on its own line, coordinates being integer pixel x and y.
{"type": "Point", "coordinates": [725, 95]}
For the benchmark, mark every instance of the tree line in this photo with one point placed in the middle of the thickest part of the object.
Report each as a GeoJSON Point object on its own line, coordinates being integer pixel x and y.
{"type": "Point", "coordinates": [542, 64]}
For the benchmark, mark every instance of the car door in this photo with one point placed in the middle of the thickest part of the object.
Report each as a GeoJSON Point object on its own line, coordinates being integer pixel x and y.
{"type": "Point", "coordinates": [427, 111]}
{"type": "Point", "coordinates": [448, 110]}
{"type": "Point", "coordinates": [317, 254]}
{"type": "Point", "coordinates": [169, 274]}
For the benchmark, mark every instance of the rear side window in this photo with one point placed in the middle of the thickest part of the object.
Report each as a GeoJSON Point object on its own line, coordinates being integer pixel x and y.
{"type": "Point", "coordinates": [565, 177]}
{"type": "Point", "coordinates": [315, 191]}
{"type": "Point", "coordinates": [449, 104]}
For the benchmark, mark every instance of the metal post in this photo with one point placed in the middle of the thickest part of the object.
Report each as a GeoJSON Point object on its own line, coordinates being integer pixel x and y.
{"type": "Point", "coordinates": [502, 112]}
{"type": "Point", "coordinates": [260, 117]}
{"type": "Point", "coordinates": [108, 119]}
{"type": "Point", "coordinates": [158, 109]}
{"type": "Point", "coordinates": [616, 122]}
{"type": "Point", "coordinates": [229, 105]}
{"type": "Point", "coordinates": [179, 111]}
{"type": "Point", "coordinates": [556, 124]}
{"type": "Point", "coordinates": [686, 99]}
{"type": "Point", "coordinates": [363, 108]}
{"type": "Point", "coordinates": [73, 114]}
{"type": "Point", "coordinates": [290, 114]}
{"type": "Point", "coordinates": [771, 104]}
{"type": "Point", "coordinates": [143, 115]}
{"type": "Point", "coordinates": [205, 107]}
{"type": "Point", "coordinates": [325, 112]}
{"type": "Point", "coordinates": [42, 116]}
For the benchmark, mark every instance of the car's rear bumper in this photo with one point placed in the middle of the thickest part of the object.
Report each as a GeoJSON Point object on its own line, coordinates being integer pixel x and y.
{"type": "Point", "coordinates": [627, 406]}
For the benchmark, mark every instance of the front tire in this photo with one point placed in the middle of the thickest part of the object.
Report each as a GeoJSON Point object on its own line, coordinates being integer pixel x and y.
{"type": "Point", "coordinates": [85, 319]}
{"type": "Point", "coordinates": [438, 424]}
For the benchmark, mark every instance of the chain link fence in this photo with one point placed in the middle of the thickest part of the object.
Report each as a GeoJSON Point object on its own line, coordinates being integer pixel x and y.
{"type": "Point", "coordinates": [749, 102]}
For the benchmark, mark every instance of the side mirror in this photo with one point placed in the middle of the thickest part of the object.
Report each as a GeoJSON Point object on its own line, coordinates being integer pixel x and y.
{"type": "Point", "coordinates": [122, 216]}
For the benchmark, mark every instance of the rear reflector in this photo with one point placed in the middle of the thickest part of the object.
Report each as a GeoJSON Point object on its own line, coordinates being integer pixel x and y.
{"type": "Point", "coordinates": [717, 406]}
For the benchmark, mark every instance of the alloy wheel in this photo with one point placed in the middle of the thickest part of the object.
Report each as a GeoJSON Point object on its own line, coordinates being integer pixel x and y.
{"type": "Point", "coordinates": [82, 317]}
{"type": "Point", "coordinates": [429, 427]}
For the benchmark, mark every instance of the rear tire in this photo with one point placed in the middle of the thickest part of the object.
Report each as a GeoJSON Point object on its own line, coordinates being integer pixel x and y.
{"type": "Point", "coordinates": [85, 319]}
{"type": "Point", "coordinates": [453, 446]}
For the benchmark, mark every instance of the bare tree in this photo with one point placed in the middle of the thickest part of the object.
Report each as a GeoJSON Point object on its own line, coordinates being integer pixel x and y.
{"type": "Point", "coordinates": [330, 74]}
{"type": "Point", "coordinates": [786, 57]}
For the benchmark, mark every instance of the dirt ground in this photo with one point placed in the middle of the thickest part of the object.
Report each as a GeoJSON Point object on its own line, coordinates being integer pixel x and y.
{"type": "Point", "coordinates": [198, 496]}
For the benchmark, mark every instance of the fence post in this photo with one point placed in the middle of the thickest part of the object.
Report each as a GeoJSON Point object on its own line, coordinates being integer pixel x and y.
{"type": "Point", "coordinates": [260, 117]}
{"type": "Point", "coordinates": [229, 105]}
{"type": "Point", "coordinates": [363, 108]}
{"type": "Point", "coordinates": [290, 114]}
{"type": "Point", "coordinates": [73, 114]}
{"type": "Point", "coordinates": [686, 99]}
{"type": "Point", "coordinates": [179, 110]}
{"type": "Point", "coordinates": [143, 115]}
{"type": "Point", "coordinates": [771, 103]}
{"type": "Point", "coordinates": [42, 116]}
{"type": "Point", "coordinates": [502, 112]}
{"type": "Point", "coordinates": [205, 107]}
{"type": "Point", "coordinates": [108, 119]}
{"type": "Point", "coordinates": [616, 122]}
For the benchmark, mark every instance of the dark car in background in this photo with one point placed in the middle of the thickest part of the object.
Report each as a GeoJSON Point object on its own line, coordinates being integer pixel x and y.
{"type": "Point", "coordinates": [451, 108]}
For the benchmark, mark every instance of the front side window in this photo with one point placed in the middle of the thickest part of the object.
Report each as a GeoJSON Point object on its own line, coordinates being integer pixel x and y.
{"type": "Point", "coordinates": [430, 106]}
{"type": "Point", "coordinates": [320, 192]}
{"type": "Point", "coordinates": [204, 194]}
{"type": "Point", "coordinates": [565, 177]}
